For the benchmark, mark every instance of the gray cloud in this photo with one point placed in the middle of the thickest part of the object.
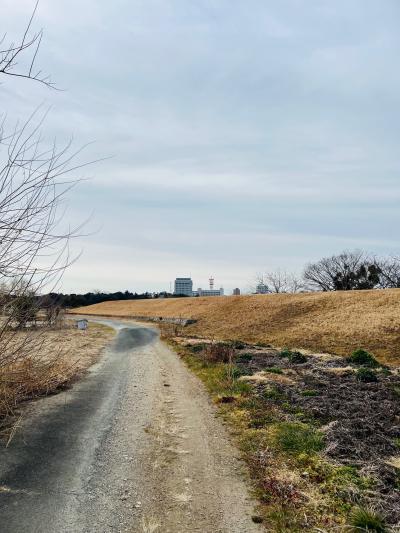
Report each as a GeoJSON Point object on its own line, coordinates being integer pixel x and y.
{"type": "Point", "coordinates": [243, 135]}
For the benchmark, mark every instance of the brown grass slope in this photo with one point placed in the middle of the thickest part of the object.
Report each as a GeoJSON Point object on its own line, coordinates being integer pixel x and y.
{"type": "Point", "coordinates": [337, 322]}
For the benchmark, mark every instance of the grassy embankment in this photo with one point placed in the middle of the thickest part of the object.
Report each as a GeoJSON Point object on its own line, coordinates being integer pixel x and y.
{"type": "Point", "coordinates": [319, 438]}
{"type": "Point", "coordinates": [336, 323]}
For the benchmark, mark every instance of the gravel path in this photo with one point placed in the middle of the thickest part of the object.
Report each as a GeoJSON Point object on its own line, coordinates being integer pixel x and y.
{"type": "Point", "coordinates": [133, 447]}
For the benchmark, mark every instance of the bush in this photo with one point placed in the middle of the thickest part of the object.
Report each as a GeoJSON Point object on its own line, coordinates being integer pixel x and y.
{"type": "Point", "coordinates": [294, 437]}
{"type": "Point", "coordinates": [293, 356]}
{"type": "Point", "coordinates": [297, 358]}
{"type": "Point", "coordinates": [366, 375]}
{"type": "Point", "coordinates": [196, 348]}
{"type": "Point", "coordinates": [367, 520]}
{"type": "Point", "coordinates": [238, 345]}
{"type": "Point", "coordinates": [363, 358]}
{"type": "Point", "coordinates": [244, 358]}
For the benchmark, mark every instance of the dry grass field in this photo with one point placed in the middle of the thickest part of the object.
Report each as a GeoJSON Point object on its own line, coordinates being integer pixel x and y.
{"type": "Point", "coordinates": [49, 360]}
{"type": "Point", "coordinates": [337, 322]}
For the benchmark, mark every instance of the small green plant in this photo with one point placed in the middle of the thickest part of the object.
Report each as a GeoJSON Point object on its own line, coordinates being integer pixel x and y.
{"type": "Point", "coordinates": [244, 357]}
{"type": "Point", "coordinates": [294, 357]}
{"type": "Point", "coordinates": [295, 437]}
{"type": "Point", "coordinates": [233, 372]}
{"type": "Point", "coordinates": [363, 358]}
{"type": "Point", "coordinates": [396, 391]}
{"type": "Point", "coordinates": [367, 520]}
{"type": "Point", "coordinates": [366, 375]}
{"type": "Point", "coordinates": [285, 352]}
{"type": "Point", "coordinates": [309, 392]}
{"type": "Point", "coordinates": [274, 370]}
{"type": "Point", "coordinates": [238, 345]}
{"type": "Point", "coordinates": [196, 348]}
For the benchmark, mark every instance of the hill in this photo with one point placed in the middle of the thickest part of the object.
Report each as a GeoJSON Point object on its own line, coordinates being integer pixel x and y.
{"type": "Point", "coordinates": [334, 322]}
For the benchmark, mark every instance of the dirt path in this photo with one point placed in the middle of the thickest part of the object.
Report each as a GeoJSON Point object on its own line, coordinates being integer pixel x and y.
{"type": "Point", "coordinates": [135, 446]}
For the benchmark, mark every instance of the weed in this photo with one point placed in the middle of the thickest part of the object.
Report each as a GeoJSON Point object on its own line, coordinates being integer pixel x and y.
{"type": "Point", "coordinates": [294, 437]}
{"type": "Point", "coordinates": [367, 520]}
{"type": "Point", "coordinates": [233, 372]}
{"type": "Point", "coordinates": [274, 370]}
{"type": "Point", "coordinates": [309, 392]}
{"type": "Point", "coordinates": [244, 357]}
{"type": "Point", "coordinates": [272, 393]}
{"type": "Point", "coordinates": [196, 348]}
{"type": "Point", "coordinates": [294, 357]}
{"type": "Point", "coordinates": [366, 375]}
{"type": "Point", "coordinates": [237, 345]}
{"type": "Point", "coordinates": [363, 358]}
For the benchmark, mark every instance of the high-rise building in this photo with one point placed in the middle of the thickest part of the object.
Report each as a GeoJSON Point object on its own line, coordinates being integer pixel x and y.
{"type": "Point", "coordinates": [183, 286]}
{"type": "Point", "coordinates": [236, 292]}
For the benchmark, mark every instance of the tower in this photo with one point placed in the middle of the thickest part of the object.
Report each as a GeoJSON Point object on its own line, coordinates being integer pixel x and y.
{"type": "Point", "coordinates": [211, 280]}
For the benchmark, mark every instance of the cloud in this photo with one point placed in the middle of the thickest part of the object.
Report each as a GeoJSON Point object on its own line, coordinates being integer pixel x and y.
{"type": "Point", "coordinates": [243, 136]}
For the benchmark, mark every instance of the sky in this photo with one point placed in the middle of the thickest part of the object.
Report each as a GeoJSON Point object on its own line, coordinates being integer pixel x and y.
{"type": "Point", "coordinates": [235, 137]}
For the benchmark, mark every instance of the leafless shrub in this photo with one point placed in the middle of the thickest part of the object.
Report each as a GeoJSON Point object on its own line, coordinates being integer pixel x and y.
{"type": "Point", "coordinates": [279, 281]}
{"type": "Point", "coordinates": [34, 243]}
{"type": "Point", "coordinates": [218, 352]}
{"type": "Point", "coordinates": [389, 272]}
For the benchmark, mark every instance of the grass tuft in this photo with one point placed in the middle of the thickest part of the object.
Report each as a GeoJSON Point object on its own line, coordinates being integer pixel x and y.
{"type": "Point", "coordinates": [296, 438]}
{"type": "Point", "coordinates": [367, 520]}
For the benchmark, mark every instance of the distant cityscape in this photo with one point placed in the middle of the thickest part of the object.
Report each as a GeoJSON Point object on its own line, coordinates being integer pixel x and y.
{"type": "Point", "coordinates": [184, 287]}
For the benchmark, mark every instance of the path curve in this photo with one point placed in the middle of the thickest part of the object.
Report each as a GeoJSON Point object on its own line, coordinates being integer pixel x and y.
{"type": "Point", "coordinates": [133, 447]}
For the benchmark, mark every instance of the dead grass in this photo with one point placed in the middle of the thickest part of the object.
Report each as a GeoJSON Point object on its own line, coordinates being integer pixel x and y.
{"type": "Point", "coordinates": [49, 361]}
{"type": "Point", "coordinates": [337, 322]}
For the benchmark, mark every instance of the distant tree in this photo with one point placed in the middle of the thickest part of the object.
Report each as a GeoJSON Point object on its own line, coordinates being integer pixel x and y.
{"type": "Point", "coordinates": [389, 272]}
{"type": "Point", "coordinates": [350, 270]}
{"type": "Point", "coordinates": [279, 281]}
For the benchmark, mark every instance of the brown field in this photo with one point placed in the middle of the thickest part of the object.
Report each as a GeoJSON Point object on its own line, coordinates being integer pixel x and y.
{"type": "Point", "coordinates": [47, 360]}
{"type": "Point", "coordinates": [338, 322]}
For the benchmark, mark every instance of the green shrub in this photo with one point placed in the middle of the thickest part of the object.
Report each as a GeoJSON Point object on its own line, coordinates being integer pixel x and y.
{"type": "Point", "coordinates": [295, 437]}
{"type": "Point", "coordinates": [244, 357]}
{"type": "Point", "coordinates": [297, 358]}
{"type": "Point", "coordinates": [196, 348]}
{"type": "Point", "coordinates": [238, 345]}
{"type": "Point", "coordinates": [367, 520]}
{"type": "Point", "coordinates": [363, 358]}
{"type": "Point", "coordinates": [293, 356]}
{"type": "Point", "coordinates": [366, 375]}
{"type": "Point", "coordinates": [274, 370]}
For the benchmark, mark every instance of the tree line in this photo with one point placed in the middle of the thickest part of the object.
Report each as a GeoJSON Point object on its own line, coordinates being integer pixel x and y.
{"type": "Point", "coordinates": [347, 271]}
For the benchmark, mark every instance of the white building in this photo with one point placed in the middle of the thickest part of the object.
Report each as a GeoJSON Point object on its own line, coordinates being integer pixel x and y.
{"type": "Point", "coordinates": [183, 286]}
{"type": "Point", "coordinates": [210, 292]}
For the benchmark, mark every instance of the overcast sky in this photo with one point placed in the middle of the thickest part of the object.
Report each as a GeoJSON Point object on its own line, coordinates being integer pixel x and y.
{"type": "Point", "coordinates": [243, 135]}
